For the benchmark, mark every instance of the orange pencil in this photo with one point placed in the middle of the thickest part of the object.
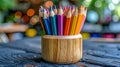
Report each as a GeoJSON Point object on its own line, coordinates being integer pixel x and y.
{"type": "Point", "coordinates": [79, 20]}
{"type": "Point", "coordinates": [84, 12]}
{"type": "Point", "coordinates": [67, 24]}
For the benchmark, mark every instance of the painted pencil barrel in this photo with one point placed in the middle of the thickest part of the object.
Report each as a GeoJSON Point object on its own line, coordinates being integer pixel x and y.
{"type": "Point", "coordinates": [73, 25]}
{"type": "Point", "coordinates": [53, 25]}
{"type": "Point", "coordinates": [60, 25]}
{"type": "Point", "coordinates": [62, 49]}
{"type": "Point", "coordinates": [47, 26]}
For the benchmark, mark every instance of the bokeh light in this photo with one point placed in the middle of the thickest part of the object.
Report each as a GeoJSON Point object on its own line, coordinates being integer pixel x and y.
{"type": "Point", "coordinates": [34, 20]}
{"type": "Point", "coordinates": [30, 12]}
{"type": "Point", "coordinates": [25, 18]}
{"type": "Point", "coordinates": [98, 3]}
{"type": "Point", "coordinates": [18, 14]}
{"type": "Point", "coordinates": [92, 16]}
{"type": "Point", "coordinates": [115, 1]}
{"type": "Point", "coordinates": [111, 6]}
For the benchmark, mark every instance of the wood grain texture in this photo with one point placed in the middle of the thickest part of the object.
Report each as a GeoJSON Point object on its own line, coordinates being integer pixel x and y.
{"type": "Point", "coordinates": [25, 52]}
{"type": "Point", "coordinates": [57, 49]}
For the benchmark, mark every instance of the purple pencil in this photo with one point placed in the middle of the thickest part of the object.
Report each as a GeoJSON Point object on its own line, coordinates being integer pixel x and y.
{"type": "Point", "coordinates": [60, 20]}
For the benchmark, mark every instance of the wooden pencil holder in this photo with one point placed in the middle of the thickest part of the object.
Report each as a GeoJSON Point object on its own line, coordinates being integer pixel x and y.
{"type": "Point", "coordinates": [62, 49]}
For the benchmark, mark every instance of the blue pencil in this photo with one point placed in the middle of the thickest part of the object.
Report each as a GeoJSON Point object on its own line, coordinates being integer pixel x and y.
{"type": "Point", "coordinates": [55, 11]}
{"type": "Point", "coordinates": [48, 13]}
{"type": "Point", "coordinates": [46, 23]}
{"type": "Point", "coordinates": [53, 22]}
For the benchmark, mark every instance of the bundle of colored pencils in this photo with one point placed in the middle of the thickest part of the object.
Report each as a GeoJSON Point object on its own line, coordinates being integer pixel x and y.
{"type": "Point", "coordinates": [62, 22]}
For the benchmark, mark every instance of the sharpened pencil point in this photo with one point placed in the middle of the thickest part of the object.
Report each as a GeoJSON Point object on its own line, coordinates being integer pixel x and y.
{"type": "Point", "coordinates": [54, 7]}
{"type": "Point", "coordinates": [50, 8]}
{"type": "Point", "coordinates": [59, 7]}
{"type": "Point", "coordinates": [72, 7]}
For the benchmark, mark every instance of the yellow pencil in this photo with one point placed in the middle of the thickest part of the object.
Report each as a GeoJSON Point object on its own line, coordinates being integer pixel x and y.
{"type": "Point", "coordinates": [79, 20]}
{"type": "Point", "coordinates": [74, 21]}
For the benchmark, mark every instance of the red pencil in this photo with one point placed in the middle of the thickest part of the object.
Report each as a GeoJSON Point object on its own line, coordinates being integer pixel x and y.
{"type": "Point", "coordinates": [67, 24]}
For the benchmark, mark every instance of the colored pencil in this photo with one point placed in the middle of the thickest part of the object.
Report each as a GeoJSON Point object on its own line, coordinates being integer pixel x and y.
{"type": "Point", "coordinates": [79, 20]}
{"type": "Point", "coordinates": [67, 24]}
{"type": "Point", "coordinates": [60, 20]}
{"type": "Point", "coordinates": [72, 10]}
{"type": "Point", "coordinates": [48, 13]}
{"type": "Point", "coordinates": [66, 9]}
{"type": "Point", "coordinates": [64, 17]}
{"type": "Point", "coordinates": [55, 10]}
{"type": "Point", "coordinates": [73, 24]}
{"type": "Point", "coordinates": [41, 11]}
{"type": "Point", "coordinates": [46, 23]}
{"type": "Point", "coordinates": [53, 22]}
{"type": "Point", "coordinates": [84, 12]}
{"type": "Point", "coordinates": [41, 19]}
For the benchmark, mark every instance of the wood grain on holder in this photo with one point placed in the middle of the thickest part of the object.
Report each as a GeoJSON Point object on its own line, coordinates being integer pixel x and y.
{"type": "Point", "coordinates": [62, 49]}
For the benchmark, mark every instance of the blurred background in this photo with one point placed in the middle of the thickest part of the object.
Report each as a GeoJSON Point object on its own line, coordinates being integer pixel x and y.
{"type": "Point", "coordinates": [20, 18]}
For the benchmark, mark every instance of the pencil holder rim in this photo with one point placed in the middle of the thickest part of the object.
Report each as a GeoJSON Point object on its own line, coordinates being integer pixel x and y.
{"type": "Point", "coordinates": [62, 37]}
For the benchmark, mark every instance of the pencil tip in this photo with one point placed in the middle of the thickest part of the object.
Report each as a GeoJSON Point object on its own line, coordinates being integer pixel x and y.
{"type": "Point", "coordinates": [50, 8]}
{"type": "Point", "coordinates": [54, 7]}
{"type": "Point", "coordinates": [69, 8]}
{"type": "Point", "coordinates": [76, 8]}
{"type": "Point", "coordinates": [64, 8]}
{"type": "Point", "coordinates": [59, 6]}
{"type": "Point", "coordinates": [82, 7]}
{"type": "Point", "coordinates": [72, 7]}
{"type": "Point", "coordinates": [41, 9]}
{"type": "Point", "coordinates": [44, 10]}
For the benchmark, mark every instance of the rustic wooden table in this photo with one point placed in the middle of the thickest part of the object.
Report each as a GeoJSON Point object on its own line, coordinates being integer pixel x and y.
{"type": "Point", "coordinates": [27, 53]}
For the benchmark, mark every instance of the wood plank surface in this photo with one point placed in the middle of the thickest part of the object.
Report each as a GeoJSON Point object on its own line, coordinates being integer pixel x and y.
{"type": "Point", "coordinates": [27, 52]}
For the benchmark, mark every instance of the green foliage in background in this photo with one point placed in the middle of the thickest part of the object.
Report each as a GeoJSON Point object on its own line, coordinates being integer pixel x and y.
{"type": "Point", "coordinates": [99, 6]}
{"type": "Point", "coordinates": [4, 6]}
{"type": "Point", "coordinates": [7, 4]}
